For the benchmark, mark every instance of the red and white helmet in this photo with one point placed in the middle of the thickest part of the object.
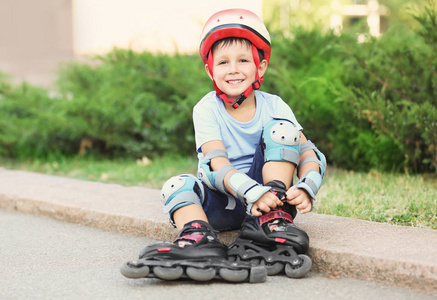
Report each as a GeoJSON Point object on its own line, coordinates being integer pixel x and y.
{"type": "Point", "coordinates": [239, 23]}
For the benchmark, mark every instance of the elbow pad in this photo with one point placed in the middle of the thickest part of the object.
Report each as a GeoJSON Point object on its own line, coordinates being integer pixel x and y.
{"type": "Point", "coordinates": [312, 180]}
{"type": "Point", "coordinates": [320, 160]}
{"type": "Point", "coordinates": [214, 179]}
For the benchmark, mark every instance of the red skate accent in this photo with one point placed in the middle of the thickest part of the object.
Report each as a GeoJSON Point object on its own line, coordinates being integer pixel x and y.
{"type": "Point", "coordinates": [275, 214]}
{"type": "Point", "coordinates": [163, 249]}
{"type": "Point", "coordinates": [195, 237]}
{"type": "Point", "coordinates": [196, 225]}
{"type": "Point", "coordinates": [279, 240]}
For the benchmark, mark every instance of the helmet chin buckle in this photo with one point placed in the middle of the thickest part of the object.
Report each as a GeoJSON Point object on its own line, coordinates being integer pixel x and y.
{"type": "Point", "coordinates": [236, 104]}
{"type": "Point", "coordinates": [255, 85]}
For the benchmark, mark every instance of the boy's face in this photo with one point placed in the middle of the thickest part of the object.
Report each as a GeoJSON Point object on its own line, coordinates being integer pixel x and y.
{"type": "Point", "coordinates": [234, 69]}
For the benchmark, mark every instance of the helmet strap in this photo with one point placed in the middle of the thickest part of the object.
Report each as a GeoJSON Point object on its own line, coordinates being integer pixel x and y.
{"type": "Point", "coordinates": [254, 86]}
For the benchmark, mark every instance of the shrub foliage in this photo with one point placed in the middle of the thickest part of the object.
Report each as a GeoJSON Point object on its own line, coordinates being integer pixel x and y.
{"type": "Point", "coordinates": [366, 105]}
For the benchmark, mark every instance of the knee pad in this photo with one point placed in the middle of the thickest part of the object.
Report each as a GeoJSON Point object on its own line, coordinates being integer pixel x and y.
{"type": "Point", "coordinates": [180, 191]}
{"type": "Point", "coordinates": [281, 141]}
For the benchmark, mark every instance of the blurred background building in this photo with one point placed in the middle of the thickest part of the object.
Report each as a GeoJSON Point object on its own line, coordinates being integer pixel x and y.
{"type": "Point", "coordinates": [333, 14]}
{"type": "Point", "coordinates": [36, 36]}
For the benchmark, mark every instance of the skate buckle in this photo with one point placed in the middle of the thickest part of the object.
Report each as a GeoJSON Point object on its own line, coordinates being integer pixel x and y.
{"type": "Point", "coordinates": [164, 249]}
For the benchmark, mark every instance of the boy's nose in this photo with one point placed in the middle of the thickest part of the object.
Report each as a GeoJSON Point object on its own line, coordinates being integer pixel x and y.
{"type": "Point", "coordinates": [233, 68]}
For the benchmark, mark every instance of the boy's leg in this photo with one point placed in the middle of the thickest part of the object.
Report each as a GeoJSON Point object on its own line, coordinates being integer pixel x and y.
{"type": "Point", "coordinates": [183, 197]}
{"type": "Point", "coordinates": [186, 198]}
{"type": "Point", "coordinates": [278, 170]}
{"type": "Point", "coordinates": [257, 172]}
{"type": "Point", "coordinates": [197, 252]}
{"type": "Point", "coordinates": [223, 212]}
{"type": "Point", "coordinates": [188, 213]}
{"type": "Point", "coordinates": [272, 237]}
{"type": "Point", "coordinates": [276, 157]}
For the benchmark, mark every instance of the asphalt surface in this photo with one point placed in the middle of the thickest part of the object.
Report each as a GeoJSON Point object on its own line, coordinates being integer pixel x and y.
{"type": "Point", "coordinates": [42, 258]}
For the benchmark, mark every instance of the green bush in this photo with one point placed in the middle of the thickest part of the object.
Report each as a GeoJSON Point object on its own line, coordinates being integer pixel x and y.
{"type": "Point", "coordinates": [395, 90]}
{"type": "Point", "coordinates": [135, 104]}
{"type": "Point", "coordinates": [31, 123]}
{"type": "Point", "coordinates": [125, 103]}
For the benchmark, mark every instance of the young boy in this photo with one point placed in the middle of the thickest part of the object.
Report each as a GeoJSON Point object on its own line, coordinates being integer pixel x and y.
{"type": "Point", "coordinates": [249, 144]}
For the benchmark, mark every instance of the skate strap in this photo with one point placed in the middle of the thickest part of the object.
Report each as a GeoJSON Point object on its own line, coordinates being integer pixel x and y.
{"type": "Point", "coordinates": [275, 214]}
{"type": "Point", "coordinates": [194, 237]}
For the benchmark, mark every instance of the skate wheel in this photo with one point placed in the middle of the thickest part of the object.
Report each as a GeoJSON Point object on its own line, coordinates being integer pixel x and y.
{"type": "Point", "coordinates": [299, 270]}
{"type": "Point", "coordinates": [274, 269]}
{"type": "Point", "coordinates": [168, 273]}
{"type": "Point", "coordinates": [134, 272]}
{"type": "Point", "coordinates": [201, 274]}
{"type": "Point", "coordinates": [234, 275]}
{"type": "Point", "coordinates": [258, 274]}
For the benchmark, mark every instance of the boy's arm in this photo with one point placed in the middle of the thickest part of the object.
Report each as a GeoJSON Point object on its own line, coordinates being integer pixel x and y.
{"type": "Point", "coordinates": [218, 162]}
{"type": "Point", "coordinates": [311, 165]}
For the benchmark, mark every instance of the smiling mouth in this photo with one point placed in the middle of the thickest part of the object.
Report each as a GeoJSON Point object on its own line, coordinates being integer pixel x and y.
{"type": "Point", "coordinates": [235, 81]}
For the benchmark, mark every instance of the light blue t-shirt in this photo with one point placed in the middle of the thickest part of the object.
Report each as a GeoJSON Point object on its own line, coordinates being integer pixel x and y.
{"type": "Point", "coordinates": [212, 122]}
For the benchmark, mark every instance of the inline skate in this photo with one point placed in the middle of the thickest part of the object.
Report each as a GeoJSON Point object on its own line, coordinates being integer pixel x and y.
{"type": "Point", "coordinates": [273, 241]}
{"type": "Point", "coordinates": [196, 254]}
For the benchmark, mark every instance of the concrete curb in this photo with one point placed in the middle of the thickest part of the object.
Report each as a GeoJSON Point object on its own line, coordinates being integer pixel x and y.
{"type": "Point", "coordinates": [340, 247]}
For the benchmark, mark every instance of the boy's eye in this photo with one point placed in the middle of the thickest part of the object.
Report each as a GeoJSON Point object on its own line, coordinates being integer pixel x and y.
{"type": "Point", "coordinates": [222, 62]}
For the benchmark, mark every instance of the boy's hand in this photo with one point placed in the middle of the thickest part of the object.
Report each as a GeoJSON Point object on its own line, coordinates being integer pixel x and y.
{"type": "Point", "coordinates": [300, 199]}
{"type": "Point", "coordinates": [265, 203]}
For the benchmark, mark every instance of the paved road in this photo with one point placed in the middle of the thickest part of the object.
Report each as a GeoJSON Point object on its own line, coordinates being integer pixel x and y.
{"type": "Point", "coordinates": [42, 258]}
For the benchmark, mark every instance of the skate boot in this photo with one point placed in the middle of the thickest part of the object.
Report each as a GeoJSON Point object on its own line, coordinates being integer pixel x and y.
{"type": "Point", "coordinates": [274, 242]}
{"type": "Point", "coordinates": [196, 254]}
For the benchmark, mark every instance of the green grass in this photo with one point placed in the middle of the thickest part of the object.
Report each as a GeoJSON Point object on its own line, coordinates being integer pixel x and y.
{"type": "Point", "coordinates": [381, 197]}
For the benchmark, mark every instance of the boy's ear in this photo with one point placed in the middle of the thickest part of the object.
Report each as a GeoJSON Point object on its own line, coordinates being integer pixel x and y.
{"type": "Point", "coordinates": [207, 72]}
{"type": "Point", "coordinates": [262, 67]}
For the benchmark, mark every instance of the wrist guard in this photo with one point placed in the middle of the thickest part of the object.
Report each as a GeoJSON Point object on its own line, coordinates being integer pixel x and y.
{"type": "Point", "coordinates": [310, 183]}
{"type": "Point", "coordinates": [246, 189]}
